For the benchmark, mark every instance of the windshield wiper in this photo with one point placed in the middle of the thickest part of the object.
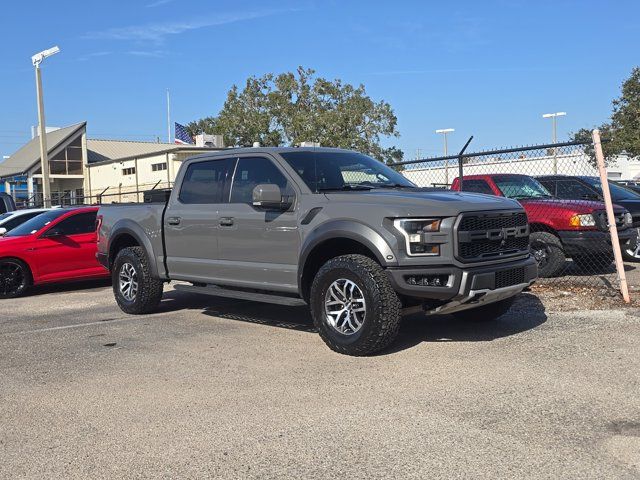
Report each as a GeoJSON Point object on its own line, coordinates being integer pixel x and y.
{"type": "Point", "coordinates": [385, 185]}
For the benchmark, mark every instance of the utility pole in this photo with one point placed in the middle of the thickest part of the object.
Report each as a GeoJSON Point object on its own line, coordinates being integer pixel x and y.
{"type": "Point", "coordinates": [44, 160]}
{"type": "Point", "coordinates": [554, 136]}
{"type": "Point", "coordinates": [444, 132]}
{"type": "Point", "coordinates": [168, 117]}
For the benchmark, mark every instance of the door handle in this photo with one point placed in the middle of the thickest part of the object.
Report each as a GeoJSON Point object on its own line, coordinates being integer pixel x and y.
{"type": "Point", "coordinates": [173, 220]}
{"type": "Point", "coordinates": [226, 221]}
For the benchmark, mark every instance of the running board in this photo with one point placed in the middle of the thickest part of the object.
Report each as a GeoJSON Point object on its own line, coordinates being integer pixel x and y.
{"type": "Point", "coordinates": [241, 295]}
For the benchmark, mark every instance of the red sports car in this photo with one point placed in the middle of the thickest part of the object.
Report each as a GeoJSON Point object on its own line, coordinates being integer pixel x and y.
{"type": "Point", "coordinates": [58, 245]}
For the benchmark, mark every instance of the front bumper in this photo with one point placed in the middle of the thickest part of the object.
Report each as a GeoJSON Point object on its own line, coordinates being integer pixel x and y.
{"type": "Point", "coordinates": [586, 242]}
{"type": "Point", "coordinates": [467, 287]}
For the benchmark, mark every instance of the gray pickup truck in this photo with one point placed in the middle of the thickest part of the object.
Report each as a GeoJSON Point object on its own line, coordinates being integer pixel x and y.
{"type": "Point", "coordinates": [334, 229]}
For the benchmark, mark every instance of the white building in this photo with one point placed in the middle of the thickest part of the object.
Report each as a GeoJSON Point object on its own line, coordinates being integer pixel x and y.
{"type": "Point", "coordinates": [81, 168]}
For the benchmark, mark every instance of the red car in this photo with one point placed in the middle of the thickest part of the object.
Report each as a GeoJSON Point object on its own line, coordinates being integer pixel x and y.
{"type": "Point", "coordinates": [55, 246]}
{"type": "Point", "coordinates": [559, 228]}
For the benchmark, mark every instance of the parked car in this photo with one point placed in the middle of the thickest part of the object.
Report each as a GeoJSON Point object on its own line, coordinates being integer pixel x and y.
{"type": "Point", "coordinates": [630, 184]}
{"type": "Point", "coordinates": [584, 187]}
{"type": "Point", "coordinates": [10, 220]}
{"type": "Point", "coordinates": [57, 245]}
{"type": "Point", "coordinates": [331, 228]}
{"type": "Point", "coordinates": [7, 204]}
{"type": "Point", "coordinates": [559, 228]}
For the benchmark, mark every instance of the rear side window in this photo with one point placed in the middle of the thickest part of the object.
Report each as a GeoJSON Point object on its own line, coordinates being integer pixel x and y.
{"type": "Point", "coordinates": [19, 220]}
{"type": "Point", "coordinates": [78, 224]}
{"type": "Point", "coordinates": [477, 186]}
{"type": "Point", "coordinates": [204, 182]}
{"type": "Point", "coordinates": [573, 190]}
{"type": "Point", "coordinates": [251, 172]}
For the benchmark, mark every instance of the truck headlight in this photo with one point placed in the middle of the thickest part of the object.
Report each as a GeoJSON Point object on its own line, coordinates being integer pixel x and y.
{"type": "Point", "coordinates": [628, 219]}
{"type": "Point", "coordinates": [414, 231]}
{"type": "Point", "coordinates": [585, 220]}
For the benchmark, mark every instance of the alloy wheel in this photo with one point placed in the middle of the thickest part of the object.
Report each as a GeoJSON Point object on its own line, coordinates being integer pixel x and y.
{"type": "Point", "coordinates": [345, 307]}
{"type": "Point", "coordinates": [128, 281]}
{"type": "Point", "coordinates": [11, 277]}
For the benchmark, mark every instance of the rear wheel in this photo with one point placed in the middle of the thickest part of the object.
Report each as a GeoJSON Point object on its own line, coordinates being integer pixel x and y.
{"type": "Point", "coordinates": [548, 252]}
{"type": "Point", "coordinates": [135, 289]}
{"type": "Point", "coordinates": [354, 307]}
{"type": "Point", "coordinates": [486, 313]}
{"type": "Point", "coordinates": [15, 278]}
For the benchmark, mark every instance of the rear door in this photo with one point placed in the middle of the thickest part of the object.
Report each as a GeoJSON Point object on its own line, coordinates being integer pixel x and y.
{"type": "Point", "coordinates": [258, 247]}
{"type": "Point", "coordinates": [191, 222]}
{"type": "Point", "coordinates": [72, 253]}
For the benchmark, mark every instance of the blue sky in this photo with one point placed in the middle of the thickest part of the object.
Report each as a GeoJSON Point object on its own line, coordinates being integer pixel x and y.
{"type": "Point", "coordinates": [486, 68]}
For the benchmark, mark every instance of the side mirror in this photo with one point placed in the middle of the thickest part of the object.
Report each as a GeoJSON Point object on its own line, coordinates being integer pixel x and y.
{"type": "Point", "coordinates": [269, 195]}
{"type": "Point", "coordinates": [52, 232]}
{"type": "Point", "coordinates": [3, 231]}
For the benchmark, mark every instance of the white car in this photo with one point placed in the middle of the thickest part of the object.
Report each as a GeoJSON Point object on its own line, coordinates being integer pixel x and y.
{"type": "Point", "coordinates": [10, 220]}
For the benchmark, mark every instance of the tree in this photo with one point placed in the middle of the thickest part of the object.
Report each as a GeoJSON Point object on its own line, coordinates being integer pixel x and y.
{"type": "Point", "coordinates": [294, 107]}
{"type": "Point", "coordinates": [622, 132]}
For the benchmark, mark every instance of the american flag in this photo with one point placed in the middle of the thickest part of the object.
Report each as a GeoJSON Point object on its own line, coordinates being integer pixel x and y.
{"type": "Point", "coordinates": [182, 136]}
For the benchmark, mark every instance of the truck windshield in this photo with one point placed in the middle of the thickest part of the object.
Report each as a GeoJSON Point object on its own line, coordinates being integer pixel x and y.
{"type": "Point", "coordinates": [326, 171]}
{"type": "Point", "coordinates": [617, 192]}
{"type": "Point", "coordinates": [520, 187]}
{"type": "Point", "coordinates": [36, 223]}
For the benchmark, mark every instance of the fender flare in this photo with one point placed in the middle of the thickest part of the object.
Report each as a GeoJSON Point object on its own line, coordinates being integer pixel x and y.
{"type": "Point", "coordinates": [129, 227]}
{"type": "Point", "coordinates": [352, 230]}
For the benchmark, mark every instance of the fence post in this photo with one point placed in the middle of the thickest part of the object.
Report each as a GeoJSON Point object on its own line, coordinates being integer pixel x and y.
{"type": "Point", "coordinates": [613, 229]}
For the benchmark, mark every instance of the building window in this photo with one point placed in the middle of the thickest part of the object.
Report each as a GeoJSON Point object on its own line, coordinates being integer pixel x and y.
{"type": "Point", "coordinates": [157, 167]}
{"type": "Point", "coordinates": [129, 171]}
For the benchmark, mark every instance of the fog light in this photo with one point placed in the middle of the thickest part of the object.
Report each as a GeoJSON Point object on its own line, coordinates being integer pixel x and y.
{"type": "Point", "coordinates": [428, 280]}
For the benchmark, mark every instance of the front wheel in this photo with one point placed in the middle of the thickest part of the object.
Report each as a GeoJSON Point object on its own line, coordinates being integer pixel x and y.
{"type": "Point", "coordinates": [354, 307]}
{"type": "Point", "coordinates": [136, 291]}
{"type": "Point", "coordinates": [15, 278]}
{"type": "Point", "coordinates": [632, 254]}
{"type": "Point", "coordinates": [487, 313]}
{"type": "Point", "coordinates": [548, 252]}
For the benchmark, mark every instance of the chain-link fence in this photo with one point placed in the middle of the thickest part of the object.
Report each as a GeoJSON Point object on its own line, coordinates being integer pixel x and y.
{"type": "Point", "coordinates": [559, 187]}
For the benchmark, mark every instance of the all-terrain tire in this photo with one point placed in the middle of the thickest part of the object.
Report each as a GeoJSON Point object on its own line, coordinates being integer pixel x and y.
{"type": "Point", "coordinates": [595, 263]}
{"type": "Point", "coordinates": [548, 252]}
{"type": "Point", "coordinates": [381, 322]}
{"type": "Point", "coordinates": [149, 289]}
{"type": "Point", "coordinates": [487, 313]}
{"type": "Point", "coordinates": [15, 278]}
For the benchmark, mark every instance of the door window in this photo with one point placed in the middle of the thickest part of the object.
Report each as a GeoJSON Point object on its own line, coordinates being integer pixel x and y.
{"type": "Point", "coordinates": [572, 189]}
{"type": "Point", "coordinates": [78, 224]}
{"type": "Point", "coordinates": [204, 182]}
{"type": "Point", "coordinates": [251, 172]}
{"type": "Point", "coordinates": [477, 186]}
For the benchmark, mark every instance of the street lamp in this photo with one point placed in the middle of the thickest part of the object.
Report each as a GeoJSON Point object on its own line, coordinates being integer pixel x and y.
{"type": "Point", "coordinates": [444, 132]}
{"type": "Point", "coordinates": [554, 136]}
{"type": "Point", "coordinates": [44, 161]}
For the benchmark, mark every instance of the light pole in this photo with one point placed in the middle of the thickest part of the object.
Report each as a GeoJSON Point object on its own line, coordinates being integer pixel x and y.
{"type": "Point", "coordinates": [444, 132]}
{"type": "Point", "coordinates": [44, 161]}
{"type": "Point", "coordinates": [554, 136]}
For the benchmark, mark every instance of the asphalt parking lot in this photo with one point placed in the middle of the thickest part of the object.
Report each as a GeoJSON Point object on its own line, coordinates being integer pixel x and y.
{"type": "Point", "coordinates": [219, 388]}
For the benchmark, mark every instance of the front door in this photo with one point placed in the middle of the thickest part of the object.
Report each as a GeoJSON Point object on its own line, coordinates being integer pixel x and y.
{"type": "Point", "coordinates": [258, 248]}
{"type": "Point", "coordinates": [191, 221]}
{"type": "Point", "coordinates": [71, 252]}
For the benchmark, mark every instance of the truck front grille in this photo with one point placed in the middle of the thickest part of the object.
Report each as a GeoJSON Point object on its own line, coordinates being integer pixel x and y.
{"type": "Point", "coordinates": [602, 223]}
{"type": "Point", "coordinates": [489, 235]}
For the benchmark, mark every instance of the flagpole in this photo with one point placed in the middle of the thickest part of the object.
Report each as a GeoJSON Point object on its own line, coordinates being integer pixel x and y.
{"type": "Point", "coordinates": [168, 117]}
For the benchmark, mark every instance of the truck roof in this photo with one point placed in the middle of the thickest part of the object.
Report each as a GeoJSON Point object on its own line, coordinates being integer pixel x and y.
{"type": "Point", "coordinates": [240, 150]}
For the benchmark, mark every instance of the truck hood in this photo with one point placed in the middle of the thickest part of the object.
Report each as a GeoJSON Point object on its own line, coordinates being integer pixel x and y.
{"type": "Point", "coordinates": [576, 206]}
{"type": "Point", "coordinates": [413, 202]}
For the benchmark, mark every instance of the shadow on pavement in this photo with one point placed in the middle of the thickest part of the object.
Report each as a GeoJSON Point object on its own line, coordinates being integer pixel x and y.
{"type": "Point", "coordinates": [72, 286]}
{"type": "Point", "coordinates": [527, 313]}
